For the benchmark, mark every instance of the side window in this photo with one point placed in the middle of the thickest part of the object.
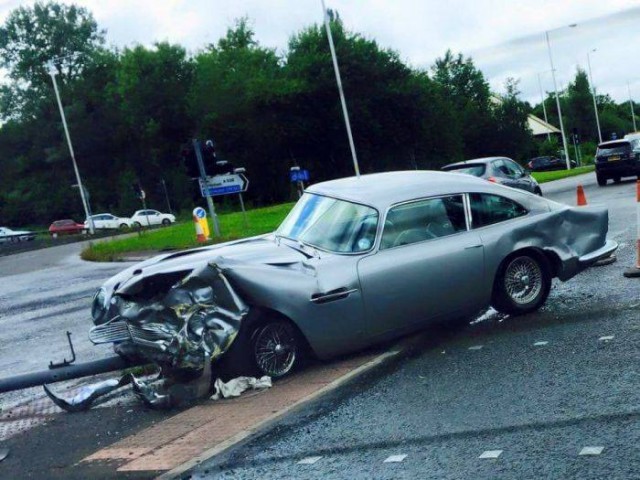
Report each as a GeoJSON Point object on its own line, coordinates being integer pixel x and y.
{"type": "Point", "coordinates": [423, 220]}
{"type": "Point", "coordinates": [514, 168]}
{"type": "Point", "coordinates": [488, 209]}
{"type": "Point", "coordinates": [500, 169]}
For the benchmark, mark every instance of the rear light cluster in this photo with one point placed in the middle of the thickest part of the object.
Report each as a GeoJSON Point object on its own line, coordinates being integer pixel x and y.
{"type": "Point", "coordinates": [494, 180]}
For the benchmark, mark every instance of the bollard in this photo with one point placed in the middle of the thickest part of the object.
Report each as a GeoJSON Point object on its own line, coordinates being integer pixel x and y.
{"type": "Point", "coordinates": [634, 272]}
{"type": "Point", "coordinates": [200, 217]}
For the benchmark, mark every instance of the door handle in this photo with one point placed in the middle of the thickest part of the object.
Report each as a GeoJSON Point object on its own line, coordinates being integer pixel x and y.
{"type": "Point", "coordinates": [473, 246]}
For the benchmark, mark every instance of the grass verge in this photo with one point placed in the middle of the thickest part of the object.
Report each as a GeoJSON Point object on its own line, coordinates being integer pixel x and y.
{"type": "Point", "coordinates": [543, 177]}
{"type": "Point", "coordinates": [176, 237]}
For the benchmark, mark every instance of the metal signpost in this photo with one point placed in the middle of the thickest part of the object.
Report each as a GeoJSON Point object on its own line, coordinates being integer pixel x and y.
{"type": "Point", "coordinates": [203, 178]}
{"type": "Point", "coordinates": [298, 176]}
{"type": "Point", "coordinates": [226, 184]}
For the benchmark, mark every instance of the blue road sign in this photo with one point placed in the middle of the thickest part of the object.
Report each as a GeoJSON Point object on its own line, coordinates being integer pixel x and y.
{"type": "Point", "coordinates": [299, 175]}
{"type": "Point", "coordinates": [199, 212]}
{"type": "Point", "coordinates": [224, 185]}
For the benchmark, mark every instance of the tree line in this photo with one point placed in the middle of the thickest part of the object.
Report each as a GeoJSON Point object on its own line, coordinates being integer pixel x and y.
{"type": "Point", "coordinates": [132, 113]}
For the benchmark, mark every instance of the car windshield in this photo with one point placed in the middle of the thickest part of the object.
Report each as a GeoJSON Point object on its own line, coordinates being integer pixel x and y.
{"type": "Point", "coordinates": [476, 170]}
{"type": "Point", "coordinates": [613, 148]}
{"type": "Point", "coordinates": [330, 224]}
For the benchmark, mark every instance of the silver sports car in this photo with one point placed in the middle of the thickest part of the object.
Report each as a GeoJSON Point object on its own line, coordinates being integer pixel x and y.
{"type": "Point", "coordinates": [357, 261]}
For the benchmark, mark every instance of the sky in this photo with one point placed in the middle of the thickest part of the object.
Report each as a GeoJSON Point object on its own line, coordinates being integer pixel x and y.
{"type": "Point", "coordinates": [505, 38]}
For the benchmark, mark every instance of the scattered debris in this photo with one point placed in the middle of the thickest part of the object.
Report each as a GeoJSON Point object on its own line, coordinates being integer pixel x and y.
{"type": "Point", "coordinates": [235, 387]}
{"type": "Point", "coordinates": [84, 399]}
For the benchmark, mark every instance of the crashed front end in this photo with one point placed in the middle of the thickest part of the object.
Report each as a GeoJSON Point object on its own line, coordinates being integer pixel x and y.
{"type": "Point", "coordinates": [179, 320]}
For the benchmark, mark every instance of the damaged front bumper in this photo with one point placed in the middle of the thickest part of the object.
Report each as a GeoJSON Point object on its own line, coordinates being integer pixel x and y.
{"type": "Point", "coordinates": [181, 329]}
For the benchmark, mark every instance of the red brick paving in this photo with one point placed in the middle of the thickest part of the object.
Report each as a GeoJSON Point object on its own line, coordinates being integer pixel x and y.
{"type": "Point", "coordinates": [178, 439]}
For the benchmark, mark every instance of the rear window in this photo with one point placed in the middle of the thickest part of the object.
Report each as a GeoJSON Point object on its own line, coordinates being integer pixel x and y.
{"type": "Point", "coordinates": [540, 160]}
{"type": "Point", "coordinates": [475, 170]}
{"type": "Point", "coordinates": [612, 148]}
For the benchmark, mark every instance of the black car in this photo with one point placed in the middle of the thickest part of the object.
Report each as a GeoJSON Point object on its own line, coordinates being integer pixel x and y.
{"type": "Point", "coordinates": [500, 170]}
{"type": "Point", "coordinates": [543, 164]}
{"type": "Point", "coordinates": [617, 159]}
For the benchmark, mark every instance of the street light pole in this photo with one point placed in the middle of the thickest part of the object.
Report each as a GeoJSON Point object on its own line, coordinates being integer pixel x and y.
{"type": "Point", "coordinates": [633, 115]}
{"type": "Point", "coordinates": [555, 88]}
{"type": "Point", "coordinates": [544, 109]}
{"type": "Point", "coordinates": [593, 94]}
{"type": "Point", "coordinates": [85, 202]}
{"type": "Point", "coordinates": [345, 112]}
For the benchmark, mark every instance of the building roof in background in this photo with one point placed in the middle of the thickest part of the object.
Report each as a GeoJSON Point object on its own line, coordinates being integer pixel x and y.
{"type": "Point", "coordinates": [540, 127]}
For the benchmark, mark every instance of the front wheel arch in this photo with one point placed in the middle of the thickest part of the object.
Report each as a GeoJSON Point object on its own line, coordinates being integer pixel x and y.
{"type": "Point", "coordinates": [237, 360]}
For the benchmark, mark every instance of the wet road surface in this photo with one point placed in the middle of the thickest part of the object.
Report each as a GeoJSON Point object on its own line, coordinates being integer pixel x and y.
{"type": "Point", "coordinates": [553, 394]}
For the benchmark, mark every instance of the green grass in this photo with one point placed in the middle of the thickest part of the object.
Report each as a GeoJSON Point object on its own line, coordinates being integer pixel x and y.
{"type": "Point", "coordinates": [543, 177]}
{"type": "Point", "coordinates": [180, 236]}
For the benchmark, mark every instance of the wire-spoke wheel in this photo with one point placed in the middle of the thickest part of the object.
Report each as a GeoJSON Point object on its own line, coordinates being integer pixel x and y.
{"type": "Point", "coordinates": [522, 284]}
{"type": "Point", "coordinates": [523, 280]}
{"type": "Point", "coordinates": [276, 348]}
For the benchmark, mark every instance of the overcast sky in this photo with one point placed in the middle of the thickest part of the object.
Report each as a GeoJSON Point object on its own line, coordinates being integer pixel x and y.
{"type": "Point", "coordinates": [505, 37]}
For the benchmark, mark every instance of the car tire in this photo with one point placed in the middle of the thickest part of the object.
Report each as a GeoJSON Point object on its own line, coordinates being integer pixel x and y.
{"type": "Point", "coordinates": [602, 181]}
{"type": "Point", "coordinates": [522, 284]}
{"type": "Point", "coordinates": [249, 354]}
{"type": "Point", "coordinates": [137, 225]}
{"type": "Point", "coordinates": [124, 226]}
{"type": "Point", "coordinates": [166, 222]}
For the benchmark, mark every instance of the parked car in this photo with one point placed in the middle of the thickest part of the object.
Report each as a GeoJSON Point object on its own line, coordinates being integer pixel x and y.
{"type": "Point", "coordinates": [103, 221]}
{"type": "Point", "coordinates": [66, 227]}
{"type": "Point", "coordinates": [356, 262]}
{"type": "Point", "coordinates": [543, 164]}
{"type": "Point", "coordinates": [151, 217]}
{"type": "Point", "coordinates": [7, 235]}
{"type": "Point", "coordinates": [500, 170]}
{"type": "Point", "coordinates": [616, 159]}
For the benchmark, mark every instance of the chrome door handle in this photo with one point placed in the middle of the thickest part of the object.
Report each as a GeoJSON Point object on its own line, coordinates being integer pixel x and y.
{"type": "Point", "coordinates": [473, 246]}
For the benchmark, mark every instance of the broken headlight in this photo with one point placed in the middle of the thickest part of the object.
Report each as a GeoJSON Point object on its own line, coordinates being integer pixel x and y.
{"type": "Point", "coordinates": [99, 306]}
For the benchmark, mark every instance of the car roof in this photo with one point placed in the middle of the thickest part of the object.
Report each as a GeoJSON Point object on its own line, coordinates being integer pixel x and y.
{"type": "Point", "coordinates": [381, 190]}
{"type": "Point", "coordinates": [622, 140]}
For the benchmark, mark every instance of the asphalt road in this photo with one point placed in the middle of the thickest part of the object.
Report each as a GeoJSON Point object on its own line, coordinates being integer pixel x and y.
{"type": "Point", "coordinates": [534, 391]}
{"type": "Point", "coordinates": [43, 294]}
{"type": "Point", "coordinates": [540, 405]}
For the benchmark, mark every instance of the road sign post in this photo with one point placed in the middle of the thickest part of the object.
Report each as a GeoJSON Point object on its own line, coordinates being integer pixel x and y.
{"type": "Point", "coordinates": [298, 176]}
{"type": "Point", "coordinates": [203, 178]}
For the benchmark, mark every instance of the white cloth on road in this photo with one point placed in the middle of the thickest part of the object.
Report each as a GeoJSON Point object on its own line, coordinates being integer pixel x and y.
{"type": "Point", "coordinates": [235, 386]}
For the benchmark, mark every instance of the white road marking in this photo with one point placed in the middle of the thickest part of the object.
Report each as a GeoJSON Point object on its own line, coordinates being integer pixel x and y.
{"type": "Point", "coordinates": [606, 338]}
{"type": "Point", "coordinates": [476, 347]}
{"type": "Point", "coordinates": [540, 344]}
{"type": "Point", "coordinates": [395, 458]}
{"type": "Point", "coordinates": [591, 451]}
{"type": "Point", "coordinates": [309, 460]}
{"type": "Point", "coordinates": [490, 454]}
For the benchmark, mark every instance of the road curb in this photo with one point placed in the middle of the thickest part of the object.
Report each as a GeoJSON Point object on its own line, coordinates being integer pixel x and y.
{"type": "Point", "coordinates": [271, 420]}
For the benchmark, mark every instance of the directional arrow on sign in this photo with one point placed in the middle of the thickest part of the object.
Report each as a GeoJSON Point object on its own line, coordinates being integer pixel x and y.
{"type": "Point", "coordinates": [224, 185]}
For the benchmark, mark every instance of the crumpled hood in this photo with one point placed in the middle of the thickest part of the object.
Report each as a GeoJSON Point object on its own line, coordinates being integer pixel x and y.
{"type": "Point", "coordinates": [262, 250]}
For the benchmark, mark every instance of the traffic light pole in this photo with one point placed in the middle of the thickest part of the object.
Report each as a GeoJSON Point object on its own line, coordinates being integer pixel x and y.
{"type": "Point", "coordinates": [203, 175]}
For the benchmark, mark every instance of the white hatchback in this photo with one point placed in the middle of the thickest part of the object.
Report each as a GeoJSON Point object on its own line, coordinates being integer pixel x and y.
{"type": "Point", "coordinates": [104, 221]}
{"type": "Point", "coordinates": [151, 217]}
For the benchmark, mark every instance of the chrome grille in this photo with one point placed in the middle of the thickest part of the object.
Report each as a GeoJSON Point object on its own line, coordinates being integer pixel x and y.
{"type": "Point", "coordinates": [120, 331]}
{"type": "Point", "coordinates": [114, 331]}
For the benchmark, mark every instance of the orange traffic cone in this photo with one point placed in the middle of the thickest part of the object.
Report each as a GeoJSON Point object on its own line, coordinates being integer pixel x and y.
{"type": "Point", "coordinates": [582, 199]}
{"type": "Point", "coordinates": [200, 236]}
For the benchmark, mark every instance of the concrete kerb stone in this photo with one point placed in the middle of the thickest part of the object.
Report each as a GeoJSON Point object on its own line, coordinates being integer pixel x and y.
{"type": "Point", "coordinates": [404, 346]}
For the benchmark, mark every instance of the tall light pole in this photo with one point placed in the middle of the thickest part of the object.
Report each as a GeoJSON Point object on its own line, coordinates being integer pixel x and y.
{"type": "Point", "coordinates": [593, 94]}
{"type": "Point", "coordinates": [85, 202]}
{"type": "Point", "coordinates": [555, 88]}
{"type": "Point", "coordinates": [345, 112]}
{"type": "Point", "coordinates": [633, 115]}
{"type": "Point", "coordinates": [544, 108]}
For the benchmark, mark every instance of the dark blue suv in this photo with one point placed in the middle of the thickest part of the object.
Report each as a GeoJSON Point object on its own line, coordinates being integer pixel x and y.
{"type": "Point", "coordinates": [617, 159]}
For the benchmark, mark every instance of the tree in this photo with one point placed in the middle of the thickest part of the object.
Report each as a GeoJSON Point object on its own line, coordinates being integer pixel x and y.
{"type": "Point", "coordinates": [34, 39]}
{"type": "Point", "coordinates": [511, 115]}
{"type": "Point", "coordinates": [580, 114]}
